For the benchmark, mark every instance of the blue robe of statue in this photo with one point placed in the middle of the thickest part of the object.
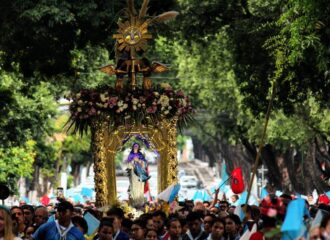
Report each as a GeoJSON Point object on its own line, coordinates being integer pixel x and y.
{"type": "Point", "coordinates": [139, 169]}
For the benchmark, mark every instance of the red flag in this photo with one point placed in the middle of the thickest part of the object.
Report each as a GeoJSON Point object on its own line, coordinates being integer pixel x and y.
{"type": "Point", "coordinates": [237, 181]}
{"type": "Point", "coordinates": [45, 200]}
{"type": "Point", "coordinates": [147, 193]}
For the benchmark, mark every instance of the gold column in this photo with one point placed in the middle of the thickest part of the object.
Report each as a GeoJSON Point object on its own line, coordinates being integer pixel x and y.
{"type": "Point", "coordinates": [167, 168]}
{"type": "Point", "coordinates": [98, 132]}
{"type": "Point", "coordinates": [111, 171]}
{"type": "Point", "coordinates": [172, 168]}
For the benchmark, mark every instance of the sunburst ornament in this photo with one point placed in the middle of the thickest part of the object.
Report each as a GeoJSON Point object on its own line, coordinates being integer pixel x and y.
{"type": "Point", "coordinates": [133, 33]}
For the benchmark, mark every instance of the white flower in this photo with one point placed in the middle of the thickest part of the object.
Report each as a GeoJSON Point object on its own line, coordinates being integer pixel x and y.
{"type": "Point", "coordinates": [80, 102]}
{"type": "Point", "coordinates": [134, 107]}
{"type": "Point", "coordinates": [166, 112]}
{"type": "Point", "coordinates": [139, 105]}
{"type": "Point", "coordinates": [164, 100]}
{"type": "Point", "coordinates": [120, 103]}
{"type": "Point", "coordinates": [135, 101]}
{"type": "Point", "coordinates": [79, 109]}
{"type": "Point", "coordinates": [78, 95]}
{"type": "Point", "coordinates": [183, 102]}
{"type": "Point", "coordinates": [165, 86]}
{"type": "Point", "coordinates": [125, 106]}
{"type": "Point", "coordinates": [104, 97]}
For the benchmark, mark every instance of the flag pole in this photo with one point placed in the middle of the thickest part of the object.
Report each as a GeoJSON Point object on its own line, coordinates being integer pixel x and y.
{"type": "Point", "coordinates": [262, 141]}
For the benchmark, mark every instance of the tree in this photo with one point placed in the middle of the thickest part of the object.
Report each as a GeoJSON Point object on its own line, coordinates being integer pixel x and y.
{"type": "Point", "coordinates": [16, 162]}
{"type": "Point", "coordinates": [256, 34]}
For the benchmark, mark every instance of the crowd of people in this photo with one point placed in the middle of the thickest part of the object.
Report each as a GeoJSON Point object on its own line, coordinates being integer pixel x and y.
{"type": "Point", "coordinates": [188, 220]}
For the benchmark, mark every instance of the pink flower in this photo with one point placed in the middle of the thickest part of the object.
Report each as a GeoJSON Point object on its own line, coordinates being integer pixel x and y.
{"type": "Point", "coordinates": [180, 93]}
{"type": "Point", "coordinates": [92, 111]}
{"type": "Point", "coordinates": [152, 109]}
{"type": "Point", "coordinates": [112, 102]}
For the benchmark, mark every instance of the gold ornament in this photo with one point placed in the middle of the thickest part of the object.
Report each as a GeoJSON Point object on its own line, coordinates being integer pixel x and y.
{"type": "Point", "coordinates": [132, 38]}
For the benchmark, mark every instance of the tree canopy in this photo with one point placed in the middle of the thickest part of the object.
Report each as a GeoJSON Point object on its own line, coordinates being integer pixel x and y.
{"type": "Point", "coordinates": [225, 54]}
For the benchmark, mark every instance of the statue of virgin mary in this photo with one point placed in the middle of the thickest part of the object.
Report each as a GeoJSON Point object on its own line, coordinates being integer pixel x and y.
{"type": "Point", "coordinates": [138, 174]}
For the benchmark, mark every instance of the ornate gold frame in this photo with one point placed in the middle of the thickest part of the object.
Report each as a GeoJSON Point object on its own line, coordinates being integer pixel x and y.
{"type": "Point", "coordinates": [106, 142]}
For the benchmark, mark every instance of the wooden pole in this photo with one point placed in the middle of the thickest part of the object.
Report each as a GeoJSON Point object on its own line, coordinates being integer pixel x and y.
{"type": "Point", "coordinates": [262, 142]}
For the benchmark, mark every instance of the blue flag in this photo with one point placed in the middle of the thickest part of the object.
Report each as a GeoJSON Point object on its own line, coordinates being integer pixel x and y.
{"type": "Point", "coordinates": [87, 192]}
{"type": "Point", "coordinates": [264, 193]}
{"type": "Point", "coordinates": [78, 199]}
{"type": "Point", "coordinates": [224, 174]}
{"type": "Point", "coordinates": [92, 223]}
{"type": "Point", "coordinates": [293, 225]}
{"type": "Point", "coordinates": [201, 195]}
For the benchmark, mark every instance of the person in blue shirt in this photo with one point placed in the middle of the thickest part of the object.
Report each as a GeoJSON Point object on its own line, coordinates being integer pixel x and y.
{"type": "Point", "coordinates": [60, 229]}
{"type": "Point", "coordinates": [117, 214]}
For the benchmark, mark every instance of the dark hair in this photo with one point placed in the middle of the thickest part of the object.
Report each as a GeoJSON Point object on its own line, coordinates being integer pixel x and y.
{"type": "Point", "coordinates": [210, 215]}
{"type": "Point", "coordinates": [169, 222]}
{"type": "Point", "coordinates": [140, 222]}
{"type": "Point", "coordinates": [77, 210]}
{"type": "Point", "coordinates": [63, 206]}
{"type": "Point", "coordinates": [149, 230]}
{"type": "Point", "coordinates": [127, 223]}
{"type": "Point", "coordinates": [146, 216]}
{"type": "Point", "coordinates": [224, 202]}
{"type": "Point", "coordinates": [160, 213]}
{"type": "Point", "coordinates": [183, 222]}
{"type": "Point", "coordinates": [106, 221]}
{"type": "Point", "coordinates": [325, 221]}
{"type": "Point", "coordinates": [28, 207]}
{"type": "Point", "coordinates": [268, 222]}
{"type": "Point", "coordinates": [16, 207]}
{"type": "Point", "coordinates": [80, 221]}
{"type": "Point", "coordinates": [235, 218]}
{"type": "Point", "coordinates": [118, 212]}
{"type": "Point", "coordinates": [192, 216]}
{"type": "Point", "coordinates": [324, 207]}
{"type": "Point", "coordinates": [215, 220]}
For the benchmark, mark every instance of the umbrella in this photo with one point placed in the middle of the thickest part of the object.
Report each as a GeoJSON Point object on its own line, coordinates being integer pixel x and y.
{"type": "Point", "coordinates": [169, 193]}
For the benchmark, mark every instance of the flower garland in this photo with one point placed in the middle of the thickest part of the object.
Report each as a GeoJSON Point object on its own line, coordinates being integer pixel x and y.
{"type": "Point", "coordinates": [127, 107]}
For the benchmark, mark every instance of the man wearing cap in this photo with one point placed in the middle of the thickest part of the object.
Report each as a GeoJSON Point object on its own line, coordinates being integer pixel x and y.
{"type": "Point", "coordinates": [60, 229]}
